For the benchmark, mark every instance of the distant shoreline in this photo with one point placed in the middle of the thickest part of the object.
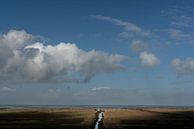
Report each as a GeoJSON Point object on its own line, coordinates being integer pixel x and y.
{"type": "Point", "coordinates": [99, 106]}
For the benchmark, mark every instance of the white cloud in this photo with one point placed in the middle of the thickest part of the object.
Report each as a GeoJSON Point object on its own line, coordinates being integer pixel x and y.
{"type": "Point", "coordinates": [128, 26]}
{"type": "Point", "coordinates": [16, 39]}
{"type": "Point", "coordinates": [68, 58]}
{"type": "Point", "coordinates": [183, 67]}
{"type": "Point", "coordinates": [181, 36]}
{"type": "Point", "coordinates": [139, 45]}
{"type": "Point", "coordinates": [148, 59]}
{"type": "Point", "coordinates": [63, 61]}
{"type": "Point", "coordinates": [100, 88]}
{"type": "Point", "coordinates": [130, 29]}
{"type": "Point", "coordinates": [181, 20]}
{"type": "Point", "coordinates": [177, 34]}
{"type": "Point", "coordinates": [180, 16]}
{"type": "Point", "coordinates": [9, 45]}
{"type": "Point", "coordinates": [124, 35]}
{"type": "Point", "coordinates": [182, 24]}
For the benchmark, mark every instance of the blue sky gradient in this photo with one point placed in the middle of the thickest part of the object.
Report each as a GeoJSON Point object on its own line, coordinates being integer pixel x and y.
{"type": "Point", "coordinates": [155, 36]}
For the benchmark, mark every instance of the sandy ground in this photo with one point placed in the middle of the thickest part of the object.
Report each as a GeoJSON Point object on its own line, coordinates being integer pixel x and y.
{"type": "Point", "coordinates": [149, 119]}
{"type": "Point", "coordinates": [47, 118]}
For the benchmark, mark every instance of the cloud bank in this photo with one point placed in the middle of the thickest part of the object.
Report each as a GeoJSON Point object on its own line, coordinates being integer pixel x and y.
{"type": "Point", "coordinates": [29, 60]}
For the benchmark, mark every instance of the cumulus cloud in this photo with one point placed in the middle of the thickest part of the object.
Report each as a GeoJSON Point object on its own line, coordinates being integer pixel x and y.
{"type": "Point", "coordinates": [183, 67]}
{"type": "Point", "coordinates": [139, 45]}
{"type": "Point", "coordinates": [67, 58]}
{"type": "Point", "coordinates": [63, 61]}
{"type": "Point", "coordinates": [148, 59]}
{"type": "Point", "coordinates": [10, 44]}
{"type": "Point", "coordinates": [15, 39]}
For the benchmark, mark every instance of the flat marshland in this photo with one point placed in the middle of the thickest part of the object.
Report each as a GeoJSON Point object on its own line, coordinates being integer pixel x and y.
{"type": "Point", "coordinates": [157, 118]}
{"type": "Point", "coordinates": [85, 118]}
{"type": "Point", "coordinates": [47, 118]}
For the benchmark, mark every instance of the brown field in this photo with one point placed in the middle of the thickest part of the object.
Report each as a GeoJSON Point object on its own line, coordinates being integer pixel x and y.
{"type": "Point", "coordinates": [149, 119]}
{"type": "Point", "coordinates": [155, 118]}
{"type": "Point", "coordinates": [47, 118]}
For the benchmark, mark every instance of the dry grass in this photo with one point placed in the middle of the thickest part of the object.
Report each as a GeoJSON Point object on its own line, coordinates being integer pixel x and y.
{"type": "Point", "coordinates": [84, 118]}
{"type": "Point", "coordinates": [149, 119]}
{"type": "Point", "coordinates": [47, 118]}
{"type": "Point", "coordinates": [113, 117]}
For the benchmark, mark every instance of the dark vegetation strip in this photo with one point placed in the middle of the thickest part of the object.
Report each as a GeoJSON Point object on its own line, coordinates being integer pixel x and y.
{"type": "Point", "coordinates": [40, 120]}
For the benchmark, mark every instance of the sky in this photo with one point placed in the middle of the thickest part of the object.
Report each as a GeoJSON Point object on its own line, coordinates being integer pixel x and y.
{"type": "Point", "coordinates": [87, 52]}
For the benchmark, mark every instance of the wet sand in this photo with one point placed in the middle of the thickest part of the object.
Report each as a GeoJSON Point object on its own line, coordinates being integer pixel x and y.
{"type": "Point", "coordinates": [149, 118]}
{"type": "Point", "coordinates": [47, 118]}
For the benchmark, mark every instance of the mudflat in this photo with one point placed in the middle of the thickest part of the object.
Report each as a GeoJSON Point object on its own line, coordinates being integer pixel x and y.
{"type": "Point", "coordinates": [149, 118]}
{"type": "Point", "coordinates": [47, 118]}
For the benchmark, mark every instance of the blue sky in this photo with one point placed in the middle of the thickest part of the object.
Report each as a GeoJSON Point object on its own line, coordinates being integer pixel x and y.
{"type": "Point", "coordinates": [97, 52]}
